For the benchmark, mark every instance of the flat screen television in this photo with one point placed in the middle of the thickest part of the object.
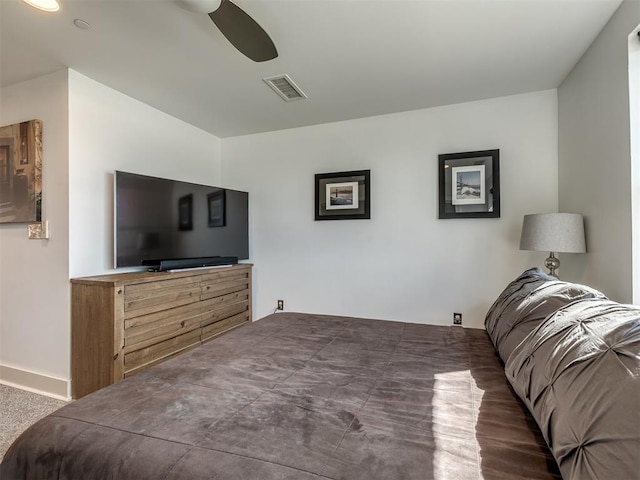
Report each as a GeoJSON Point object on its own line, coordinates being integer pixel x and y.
{"type": "Point", "coordinates": [164, 224]}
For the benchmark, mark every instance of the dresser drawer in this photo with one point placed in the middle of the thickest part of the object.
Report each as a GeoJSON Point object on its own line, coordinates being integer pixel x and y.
{"type": "Point", "coordinates": [144, 356]}
{"type": "Point", "coordinates": [144, 298]}
{"type": "Point", "coordinates": [222, 326]}
{"type": "Point", "coordinates": [145, 330]}
{"type": "Point", "coordinates": [215, 285]}
{"type": "Point", "coordinates": [214, 311]}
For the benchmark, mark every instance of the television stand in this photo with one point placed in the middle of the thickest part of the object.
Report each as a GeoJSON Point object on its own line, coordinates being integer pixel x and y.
{"type": "Point", "coordinates": [122, 323]}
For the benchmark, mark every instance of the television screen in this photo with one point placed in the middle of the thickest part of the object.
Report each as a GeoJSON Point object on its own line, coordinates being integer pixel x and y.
{"type": "Point", "coordinates": [161, 219]}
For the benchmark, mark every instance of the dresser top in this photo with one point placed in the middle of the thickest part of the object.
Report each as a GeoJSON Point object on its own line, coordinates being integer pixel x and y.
{"type": "Point", "coordinates": [142, 277]}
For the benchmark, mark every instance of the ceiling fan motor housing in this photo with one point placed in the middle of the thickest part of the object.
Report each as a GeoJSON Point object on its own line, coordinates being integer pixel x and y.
{"type": "Point", "coordinates": [200, 6]}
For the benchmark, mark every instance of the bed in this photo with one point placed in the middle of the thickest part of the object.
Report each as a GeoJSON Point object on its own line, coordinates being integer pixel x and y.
{"type": "Point", "coordinates": [550, 390]}
{"type": "Point", "coordinates": [300, 397]}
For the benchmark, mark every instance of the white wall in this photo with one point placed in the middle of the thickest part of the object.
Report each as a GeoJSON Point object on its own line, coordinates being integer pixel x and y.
{"type": "Point", "coordinates": [89, 131]}
{"type": "Point", "coordinates": [34, 278]}
{"type": "Point", "coordinates": [403, 264]}
{"type": "Point", "coordinates": [110, 131]}
{"type": "Point", "coordinates": [594, 157]}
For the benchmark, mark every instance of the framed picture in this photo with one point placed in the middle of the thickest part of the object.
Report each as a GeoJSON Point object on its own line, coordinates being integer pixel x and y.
{"type": "Point", "coordinates": [342, 195]}
{"type": "Point", "coordinates": [185, 212]}
{"type": "Point", "coordinates": [469, 184]}
{"type": "Point", "coordinates": [216, 209]}
{"type": "Point", "coordinates": [21, 172]}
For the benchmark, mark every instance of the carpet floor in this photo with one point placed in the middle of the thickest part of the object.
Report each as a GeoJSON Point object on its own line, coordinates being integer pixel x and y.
{"type": "Point", "coordinates": [20, 409]}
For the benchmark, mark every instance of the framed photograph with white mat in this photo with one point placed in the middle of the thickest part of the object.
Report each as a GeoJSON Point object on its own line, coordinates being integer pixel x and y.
{"type": "Point", "coordinates": [469, 184]}
{"type": "Point", "coordinates": [342, 195]}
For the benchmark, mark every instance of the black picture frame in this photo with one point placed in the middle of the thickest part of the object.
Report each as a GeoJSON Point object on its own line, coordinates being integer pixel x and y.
{"type": "Point", "coordinates": [343, 195]}
{"type": "Point", "coordinates": [185, 213]}
{"type": "Point", "coordinates": [216, 209]}
{"type": "Point", "coordinates": [477, 191]}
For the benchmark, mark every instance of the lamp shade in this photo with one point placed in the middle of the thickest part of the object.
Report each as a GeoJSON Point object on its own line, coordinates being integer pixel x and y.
{"type": "Point", "coordinates": [553, 232]}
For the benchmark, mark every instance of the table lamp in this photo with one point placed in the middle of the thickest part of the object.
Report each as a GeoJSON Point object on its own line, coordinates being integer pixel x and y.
{"type": "Point", "coordinates": [553, 232]}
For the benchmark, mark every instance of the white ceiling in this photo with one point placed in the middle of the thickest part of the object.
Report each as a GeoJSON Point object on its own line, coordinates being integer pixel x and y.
{"type": "Point", "coordinates": [353, 58]}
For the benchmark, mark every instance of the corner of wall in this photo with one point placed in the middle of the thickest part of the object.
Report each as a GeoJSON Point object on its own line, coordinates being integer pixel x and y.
{"type": "Point", "coordinates": [594, 157]}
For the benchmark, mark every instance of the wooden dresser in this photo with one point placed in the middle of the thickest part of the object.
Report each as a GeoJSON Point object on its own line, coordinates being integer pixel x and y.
{"type": "Point", "coordinates": [124, 323]}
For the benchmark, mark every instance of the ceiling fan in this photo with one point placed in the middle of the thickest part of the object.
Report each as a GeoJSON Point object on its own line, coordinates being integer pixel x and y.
{"type": "Point", "coordinates": [237, 26]}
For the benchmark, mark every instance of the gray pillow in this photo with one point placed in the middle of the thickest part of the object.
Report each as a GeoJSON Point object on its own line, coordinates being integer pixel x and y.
{"type": "Point", "coordinates": [524, 305]}
{"type": "Point", "coordinates": [578, 372]}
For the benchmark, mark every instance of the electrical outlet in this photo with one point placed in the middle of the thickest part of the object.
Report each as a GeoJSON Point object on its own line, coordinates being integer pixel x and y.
{"type": "Point", "coordinates": [457, 319]}
{"type": "Point", "coordinates": [280, 305]}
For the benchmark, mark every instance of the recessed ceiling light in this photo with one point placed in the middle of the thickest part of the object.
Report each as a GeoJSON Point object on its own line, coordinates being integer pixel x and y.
{"type": "Point", "coordinates": [46, 5]}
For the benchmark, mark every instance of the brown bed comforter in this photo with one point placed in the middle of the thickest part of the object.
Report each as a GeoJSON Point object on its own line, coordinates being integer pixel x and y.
{"type": "Point", "coordinates": [296, 396]}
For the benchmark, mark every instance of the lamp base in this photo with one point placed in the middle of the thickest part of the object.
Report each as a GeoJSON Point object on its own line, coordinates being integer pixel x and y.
{"type": "Point", "coordinates": [553, 264]}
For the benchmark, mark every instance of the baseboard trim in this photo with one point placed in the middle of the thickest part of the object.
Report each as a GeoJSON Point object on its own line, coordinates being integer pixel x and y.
{"type": "Point", "coordinates": [35, 382]}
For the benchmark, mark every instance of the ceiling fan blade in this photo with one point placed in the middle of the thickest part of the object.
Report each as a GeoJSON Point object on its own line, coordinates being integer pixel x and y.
{"type": "Point", "coordinates": [243, 32]}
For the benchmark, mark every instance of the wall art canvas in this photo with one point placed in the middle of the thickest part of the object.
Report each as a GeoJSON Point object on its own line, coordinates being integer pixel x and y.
{"type": "Point", "coordinates": [21, 172]}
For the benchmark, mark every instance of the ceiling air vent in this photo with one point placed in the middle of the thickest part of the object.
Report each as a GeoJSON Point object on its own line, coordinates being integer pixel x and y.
{"type": "Point", "coordinates": [285, 87]}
